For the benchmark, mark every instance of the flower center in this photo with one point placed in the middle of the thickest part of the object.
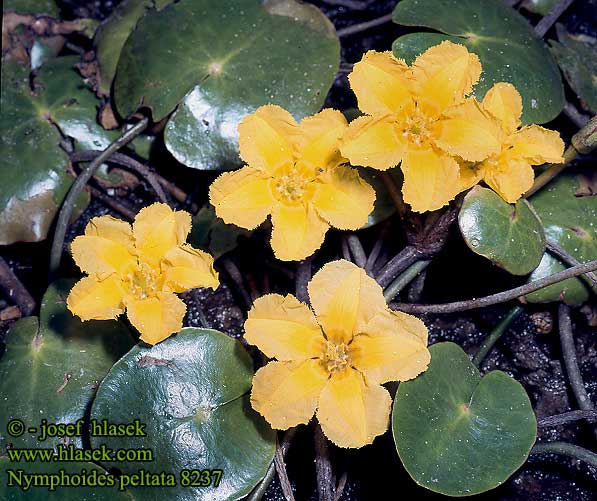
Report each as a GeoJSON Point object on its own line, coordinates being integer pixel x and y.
{"type": "Point", "coordinates": [335, 357]}
{"type": "Point", "coordinates": [416, 128]}
{"type": "Point", "coordinates": [143, 281]}
{"type": "Point", "coordinates": [290, 185]}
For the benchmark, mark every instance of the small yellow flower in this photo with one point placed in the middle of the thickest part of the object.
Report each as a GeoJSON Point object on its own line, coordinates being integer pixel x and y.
{"type": "Point", "coordinates": [419, 116]}
{"type": "Point", "coordinates": [294, 173]}
{"type": "Point", "coordinates": [140, 269]}
{"type": "Point", "coordinates": [509, 172]}
{"type": "Point", "coordinates": [335, 359]}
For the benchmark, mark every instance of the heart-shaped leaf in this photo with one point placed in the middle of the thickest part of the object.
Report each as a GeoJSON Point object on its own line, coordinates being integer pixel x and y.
{"type": "Point", "coordinates": [458, 433]}
{"type": "Point", "coordinates": [33, 167]}
{"type": "Point", "coordinates": [281, 52]}
{"type": "Point", "coordinates": [569, 216]}
{"type": "Point", "coordinates": [52, 366]}
{"type": "Point", "coordinates": [79, 492]}
{"type": "Point", "coordinates": [510, 235]}
{"type": "Point", "coordinates": [575, 54]}
{"type": "Point", "coordinates": [503, 40]}
{"type": "Point", "coordinates": [191, 392]}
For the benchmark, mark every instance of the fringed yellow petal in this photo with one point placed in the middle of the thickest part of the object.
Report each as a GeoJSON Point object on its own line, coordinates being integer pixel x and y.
{"type": "Point", "coordinates": [470, 175]}
{"type": "Point", "coordinates": [504, 102]}
{"type": "Point", "coordinates": [297, 231]}
{"type": "Point", "coordinates": [188, 268]}
{"type": "Point", "coordinates": [284, 328]}
{"type": "Point", "coordinates": [379, 81]}
{"type": "Point", "coordinates": [344, 199]}
{"type": "Point", "coordinates": [373, 142]}
{"type": "Point", "coordinates": [537, 145]}
{"type": "Point", "coordinates": [93, 299]}
{"type": "Point", "coordinates": [286, 393]}
{"type": "Point", "coordinates": [431, 179]}
{"type": "Point", "coordinates": [351, 412]}
{"type": "Point", "coordinates": [509, 177]}
{"type": "Point", "coordinates": [466, 130]}
{"type": "Point", "coordinates": [111, 228]}
{"type": "Point", "coordinates": [443, 75]}
{"type": "Point", "coordinates": [157, 228]}
{"type": "Point", "coordinates": [393, 347]}
{"type": "Point", "coordinates": [265, 138]}
{"type": "Point", "coordinates": [242, 197]}
{"type": "Point", "coordinates": [344, 299]}
{"type": "Point", "coordinates": [156, 318]}
{"type": "Point", "coordinates": [318, 139]}
{"type": "Point", "coordinates": [101, 256]}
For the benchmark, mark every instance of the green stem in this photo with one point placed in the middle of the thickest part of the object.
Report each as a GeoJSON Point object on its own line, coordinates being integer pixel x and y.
{"type": "Point", "coordinates": [566, 449]}
{"type": "Point", "coordinates": [495, 334]}
{"type": "Point", "coordinates": [68, 205]}
{"type": "Point", "coordinates": [405, 278]}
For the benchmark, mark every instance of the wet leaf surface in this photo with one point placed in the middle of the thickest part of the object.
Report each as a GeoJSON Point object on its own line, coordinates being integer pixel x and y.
{"type": "Point", "coordinates": [458, 433]}
{"type": "Point", "coordinates": [503, 40]}
{"type": "Point", "coordinates": [196, 410]}
{"type": "Point", "coordinates": [510, 235]}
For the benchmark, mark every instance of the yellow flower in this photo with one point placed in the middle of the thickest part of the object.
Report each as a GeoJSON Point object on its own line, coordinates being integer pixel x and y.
{"type": "Point", "coordinates": [140, 269]}
{"type": "Point", "coordinates": [294, 173]}
{"type": "Point", "coordinates": [420, 116]}
{"type": "Point", "coordinates": [509, 172]}
{"type": "Point", "coordinates": [335, 359]}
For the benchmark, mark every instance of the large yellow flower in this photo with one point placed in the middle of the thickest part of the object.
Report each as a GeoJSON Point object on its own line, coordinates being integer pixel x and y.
{"type": "Point", "coordinates": [294, 173]}
{"type": "Point", "coordinates": [140, 269]}
{"type": "Point", "coordinates": [509, 172]}
{"type": "Point", "coordinates": [335, 360]}
{"type": "Point", "coordinates": [420, 116]}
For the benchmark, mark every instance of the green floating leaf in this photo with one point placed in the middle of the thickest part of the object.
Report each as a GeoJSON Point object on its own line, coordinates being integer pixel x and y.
{"type": "Point", "coordinates": [33, 167]}
{"type": "Point", "coordinates": [47, 7]}
{"type": "Point", "coordinates": [211, 233]}
{"type": "Point", "coordinates": [52, 366]}
{"type": "Point", "coordinates": [576, 56]}
{"type": "Point", "coordinates": [227, 58]}
{"type": "Point", "coordinates": [191, 392]}
{"type": "Point", "coordinates": [510, 235]}
{"type": "Point", "coordinates": [90, 491]}
{"type": "Point", "coordinates": [112, 34]}
{"type": "Point", "coordinates": [569, 216]}
{"type": "Point", "coordinates": [458, 433]}
{"type": "Point", "coordinates": [538, 6]}
{"type": "Point", "coordinates": [503, 40]}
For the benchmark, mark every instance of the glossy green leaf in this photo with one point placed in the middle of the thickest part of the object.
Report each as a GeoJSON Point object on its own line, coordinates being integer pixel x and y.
{"type": "Point", "coordinates": [575, 55]}
{"type": "Point", "coordinates": [510, 235]}
{"type": "Point", "coordinates": [212, 234]}
{"type": "Point", "coordinates": [538, 6]}
{"type": "Point", "coordinates": [112, 34]}
{"type": "Point", "coordinates": [280, 52]}
{"type": "Point", "coordinates": [191, 392]}
{"type": "Point", "coordinates": [47, 7]}
{"type": "Point", "coordinates": [76, 472]}
{"type": "Point", "coordinates": [52, 366]}
{"type": "Point", "coordinates": [569, 217]}
{"type": "Point", "coordinates": [458, 433]}
{"type": "Point", "coordinates": [503, 40]}
{"type": "Point", "coordinates": [33, 167]}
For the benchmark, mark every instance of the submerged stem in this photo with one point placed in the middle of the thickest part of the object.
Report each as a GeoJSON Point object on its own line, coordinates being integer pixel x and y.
{"type": "Point", "coordinates": [495, 334]}
{"type": "Point", "coordinates": [566, 449]}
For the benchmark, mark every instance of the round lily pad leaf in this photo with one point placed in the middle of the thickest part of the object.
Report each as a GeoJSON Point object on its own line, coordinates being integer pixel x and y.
{"type": "Point", "coordinates": [503, 40]}
{"type": "Point", "coordinates": [510, 235]}
{"type": "Point", "coordinates": [191, 393]}
{"type": "Point", "coordinates": [53, 365]}
{"type": "Point", "coordinates": [11, 487]}
{"type": "Point", "coordinates": [458, 433]}
{"type": "Point", "coordinates": [32, 123]}
{"type": "Point", "coordinates": [569, 215]}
